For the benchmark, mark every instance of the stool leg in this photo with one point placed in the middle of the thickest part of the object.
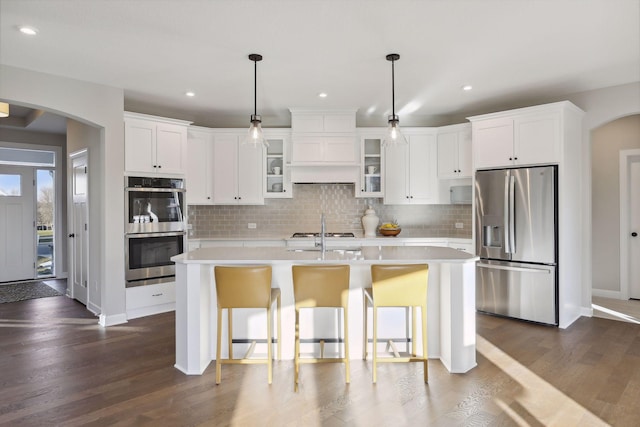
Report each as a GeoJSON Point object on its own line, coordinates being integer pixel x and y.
{"type": "Point", "coordinates": [279, 332]}
{"type": "Point", "coordinates": [424, 343]}
{"type": "Point", "coordinates": [218, 349]}
{"type": "Point", "coordinates": [374, 349]}
{"type": "Point", "coordinates": [414, 344]}
{"type": "Point", "coordinates": [364, 328]}
{"type": "Point", "coordinates": [346, 345]}
{"type": "Point", "coordinates": [269, 345]}
{"type": "Point", "coordinates": [296, 361]}
{"type": "Point", "coordinates": [230, 327]}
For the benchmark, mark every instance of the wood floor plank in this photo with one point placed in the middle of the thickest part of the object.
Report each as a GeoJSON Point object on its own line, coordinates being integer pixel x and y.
{"type": "Point", "coordinates": [58, 367]}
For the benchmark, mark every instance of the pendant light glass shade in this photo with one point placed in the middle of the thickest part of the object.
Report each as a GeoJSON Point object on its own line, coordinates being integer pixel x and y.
{"type": "Point", "coordinates": [4, 109]}
{"type": "Point", "coordinates": [255, 137]}
{"type": "Point", "coordinates": [393, 136]}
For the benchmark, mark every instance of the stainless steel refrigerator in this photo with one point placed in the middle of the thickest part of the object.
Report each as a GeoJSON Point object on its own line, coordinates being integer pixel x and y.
{"type": "Point", "coordinates": [517, 242]}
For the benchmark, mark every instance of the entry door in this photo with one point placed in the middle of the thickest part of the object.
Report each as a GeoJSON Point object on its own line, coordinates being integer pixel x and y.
{"type": "Point", "coordinates": [634, 228]}
{"type": "Point", "coordinates": [17, 227]}
{"type": "Point", "coordinates": [79, 231]}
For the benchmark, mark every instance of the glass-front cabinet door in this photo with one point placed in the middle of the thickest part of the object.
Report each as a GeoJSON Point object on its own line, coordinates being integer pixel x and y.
{"type": "Point", "coordinates": [277, 180]}
{"type": "Point", "coordinates": [371, 184]}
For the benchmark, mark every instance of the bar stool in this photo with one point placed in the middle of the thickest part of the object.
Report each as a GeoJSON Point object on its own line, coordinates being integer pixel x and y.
{"type": "Point", "coordinates": [246, 287]}
{"type": "Point", "coordinates": [321, 286]}
{"type": "Point", "coordinates": [397, 285]}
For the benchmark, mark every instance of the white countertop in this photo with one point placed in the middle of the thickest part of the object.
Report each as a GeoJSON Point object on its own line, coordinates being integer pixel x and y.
{"type": "Point", "coordinates": [404, 234]}
{"type": "Point", "coordinates": [364, 255]}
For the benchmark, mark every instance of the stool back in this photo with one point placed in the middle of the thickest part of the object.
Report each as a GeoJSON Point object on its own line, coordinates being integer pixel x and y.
{"type": "Point", "coordinates": [399, 285]}
{"type": "Point", "coordinates": [321, 285]}
{"type": "Point", "coordinates": [243, 286]}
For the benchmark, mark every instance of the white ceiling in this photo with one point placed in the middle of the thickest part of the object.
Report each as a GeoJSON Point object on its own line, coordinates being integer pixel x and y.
{"type": "Point", "coordinates": [513, 52]}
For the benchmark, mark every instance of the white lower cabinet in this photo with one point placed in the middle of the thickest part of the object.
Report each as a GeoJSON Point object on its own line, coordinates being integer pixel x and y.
{"type": "Point", "coordinates": [150, 299]}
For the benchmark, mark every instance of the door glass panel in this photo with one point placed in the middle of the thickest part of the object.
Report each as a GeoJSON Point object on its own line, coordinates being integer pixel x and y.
{"type": "Point", "coordinates": [45, 220]}
{"type": "Point", "coordinates": [10, 185]}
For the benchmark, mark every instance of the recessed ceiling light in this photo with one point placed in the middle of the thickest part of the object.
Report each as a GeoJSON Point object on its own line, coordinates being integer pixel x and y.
{"type": "Point", "coordinates": [190, 94]}
{"type": "Point", "coordinates": [30, 31]}
{"type": "Point", "coordinates": [467, 87]}
{"type": "Point", "coordinates": [322, 95]}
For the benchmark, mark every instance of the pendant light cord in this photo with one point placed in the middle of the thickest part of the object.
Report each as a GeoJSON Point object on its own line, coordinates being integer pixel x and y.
{"type": "Point", "coordinates": [393, 89]}
{"type": "Point", "coordinates": [255, 88]}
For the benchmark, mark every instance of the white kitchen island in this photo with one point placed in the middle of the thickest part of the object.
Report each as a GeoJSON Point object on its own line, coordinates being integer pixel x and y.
{"type": "Point", "coordinates": [451, 299]}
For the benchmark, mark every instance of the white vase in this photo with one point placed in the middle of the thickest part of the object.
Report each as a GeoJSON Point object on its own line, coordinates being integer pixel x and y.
{"type": "Point", "coordinates": [370, 222]}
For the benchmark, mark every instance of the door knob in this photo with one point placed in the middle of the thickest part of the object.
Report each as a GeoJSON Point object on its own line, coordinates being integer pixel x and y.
{"type": "Point", "coordinates": [72, 235]}
{"type": "Point", "coordinates": [634, 234]}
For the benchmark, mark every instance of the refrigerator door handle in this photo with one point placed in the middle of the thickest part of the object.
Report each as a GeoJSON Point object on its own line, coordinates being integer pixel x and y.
{"type": "Point", "coordinates": [512, 213]}
{"type": "Point", "coordinates": [505, 217]}
{"type": "Point", "coordinates": [525, 269]}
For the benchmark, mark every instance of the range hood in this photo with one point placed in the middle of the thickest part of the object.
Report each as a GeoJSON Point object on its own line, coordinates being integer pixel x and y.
{"type": "Point", "coordinates": [324, 146]}
{"type": "Point", "coordinates": [324, 174]}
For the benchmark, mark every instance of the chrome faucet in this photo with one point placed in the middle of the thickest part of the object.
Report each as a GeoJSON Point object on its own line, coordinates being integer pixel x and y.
{"type": "Point", "coordinates": [323, 227]}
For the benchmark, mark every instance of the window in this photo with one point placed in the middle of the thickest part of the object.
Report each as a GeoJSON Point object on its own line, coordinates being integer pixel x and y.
{"type": "Point", "coordinates": [10, 185]}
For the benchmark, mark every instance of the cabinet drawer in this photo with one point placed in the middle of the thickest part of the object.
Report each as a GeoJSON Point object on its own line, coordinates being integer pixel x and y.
{"type": "Point", "coordinates": [150, 295]}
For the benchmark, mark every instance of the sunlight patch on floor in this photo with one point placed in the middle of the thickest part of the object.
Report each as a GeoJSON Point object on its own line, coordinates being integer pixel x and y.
{"type": "Point", "coordinates": [541, 400]}
{"type": "Point", "coordinates": [616, 314]}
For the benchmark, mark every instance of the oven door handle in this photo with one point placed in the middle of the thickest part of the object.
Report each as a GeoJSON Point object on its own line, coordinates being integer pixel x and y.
{"type": "Point", "coordinates": [155, 190]}
{"type": "Point", "coordinates": [145, 235]}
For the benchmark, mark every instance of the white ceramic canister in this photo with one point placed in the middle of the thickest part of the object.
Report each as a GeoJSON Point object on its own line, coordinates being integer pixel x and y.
{"type": "Point", "coordinates": [370, 222]}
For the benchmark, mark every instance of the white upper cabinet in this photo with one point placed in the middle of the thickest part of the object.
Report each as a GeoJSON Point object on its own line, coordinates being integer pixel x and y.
{"type": "Point", "coordinates": [155, 145]}
{"type": "Point", "coordinates": [237, 171]}
{"type": "Point", "coordinates": [371, 183]}
{"type": "Point", "coordinates": [277, 174]}
{"type": "Point", "coordinates": [199, 167]}
{"type": "Point", "coordinates": [410, 171]}
{"type": "Point", "coordinates": [527, 136]}
{"type": "Point", "coordinates": [454, 151]}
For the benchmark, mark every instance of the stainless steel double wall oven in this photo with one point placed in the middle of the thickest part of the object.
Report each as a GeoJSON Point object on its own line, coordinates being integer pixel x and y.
{"type": "Point", "coordinates": [155, 228]}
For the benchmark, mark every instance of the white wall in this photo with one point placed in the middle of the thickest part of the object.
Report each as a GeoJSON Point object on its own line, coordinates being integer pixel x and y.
{"type": "Point", "coordinates": [101, 107]}
{"type": "Point", "coordinates": [607, 141]}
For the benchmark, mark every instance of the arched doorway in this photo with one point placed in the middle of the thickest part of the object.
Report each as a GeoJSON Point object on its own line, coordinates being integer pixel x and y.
{"type": "Point", "coordinates": [609, 250]}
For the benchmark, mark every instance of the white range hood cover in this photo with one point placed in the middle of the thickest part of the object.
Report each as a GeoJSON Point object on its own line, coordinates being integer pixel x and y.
{"type": "Point", "coordinates": [324, 174]}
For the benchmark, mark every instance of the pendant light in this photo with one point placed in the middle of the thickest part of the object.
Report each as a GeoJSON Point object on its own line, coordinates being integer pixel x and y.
{"type": "Point", "coordinates": [393, 136]}
{"type": "Point", "coordinates": [255, 136]}
{"type": "Point", "coordinates": [4, 109]}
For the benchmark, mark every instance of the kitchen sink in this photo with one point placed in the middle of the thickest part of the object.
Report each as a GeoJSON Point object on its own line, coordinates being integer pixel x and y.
{"type": "Point", "coordinates": [311, 234]}
{"type": "Point", "coordinates": [332, 249]}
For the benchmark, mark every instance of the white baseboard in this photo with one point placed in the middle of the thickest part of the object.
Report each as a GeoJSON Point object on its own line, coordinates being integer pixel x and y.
{"type": "Point", "coordinates": [586, 311]}
{"type": "Point", "coordinates": [604, 293]}
{"type": "Point", "coordinates": [115, 319]}
{"type": "Point", "coordinates": [93, 308]}
{"type": "Point", "coordinates": [150, 310]}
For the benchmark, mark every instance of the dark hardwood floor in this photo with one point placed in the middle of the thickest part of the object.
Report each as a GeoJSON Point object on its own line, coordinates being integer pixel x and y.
{"type": "Point", "coordinates": [59, 368]}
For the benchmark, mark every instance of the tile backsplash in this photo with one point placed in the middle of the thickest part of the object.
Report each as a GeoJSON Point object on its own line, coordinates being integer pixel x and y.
{"type": "Point", "coordinates": [342, 210]}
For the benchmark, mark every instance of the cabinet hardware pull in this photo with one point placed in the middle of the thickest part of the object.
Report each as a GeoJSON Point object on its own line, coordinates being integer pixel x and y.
{"type": "Point", "coordinates": [157, 295]}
